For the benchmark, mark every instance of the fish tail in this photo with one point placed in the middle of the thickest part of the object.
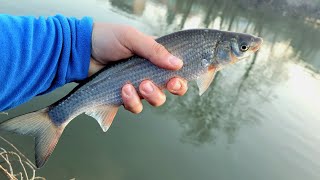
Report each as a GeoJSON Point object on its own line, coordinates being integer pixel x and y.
{"type": "Point", "coordinates": [39, 125]}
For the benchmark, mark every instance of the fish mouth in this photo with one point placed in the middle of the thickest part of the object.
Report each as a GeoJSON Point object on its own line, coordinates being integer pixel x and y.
{"type": "Point", "coordinates": [257, 44]}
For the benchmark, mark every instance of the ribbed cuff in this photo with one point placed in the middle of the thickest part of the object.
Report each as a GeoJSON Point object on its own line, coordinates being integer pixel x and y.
{"type": "Point", "coordinates": [81, 52]}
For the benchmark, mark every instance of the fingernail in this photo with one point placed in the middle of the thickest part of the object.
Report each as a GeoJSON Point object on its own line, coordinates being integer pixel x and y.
{"type": "Point", "coordinates": [175, 61]}
{"type": "Point", "coordinates": [176, 86]}
{"type": "Point", "coordinates": [147, 88]}
{"type": "Point", "coordinates": [127, 90]}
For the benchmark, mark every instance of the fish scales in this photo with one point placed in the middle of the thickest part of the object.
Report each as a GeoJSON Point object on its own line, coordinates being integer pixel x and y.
{"type": "Point", "coordinates": [108, 91]}
{"type": "Point", "coordinates": [203, 51]}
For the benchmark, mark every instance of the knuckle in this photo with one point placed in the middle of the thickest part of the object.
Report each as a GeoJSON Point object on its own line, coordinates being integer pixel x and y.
{"type": "Point", "coordinates": [132, 29]}
{"type": "Point", "coordinates": [129, 29]}
{"type": "Point", "coordinates": [128, 33]}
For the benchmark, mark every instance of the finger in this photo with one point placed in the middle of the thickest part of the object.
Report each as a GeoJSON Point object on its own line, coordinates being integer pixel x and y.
{"type": "Point", "coordinates": [131, 99]}
{"type": "Point", "coordinates": [177, 86]}
{"type": "Point", "coordinates": [145, 46]}
{"type": "Point", "coordinates": [152, 93]}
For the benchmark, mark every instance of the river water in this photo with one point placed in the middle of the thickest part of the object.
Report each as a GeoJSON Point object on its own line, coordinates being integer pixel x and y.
{"type": "Point", "coordinates": [258, 120]}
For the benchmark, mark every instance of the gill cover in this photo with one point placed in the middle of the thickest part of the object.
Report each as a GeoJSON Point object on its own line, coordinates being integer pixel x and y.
{"type": "Point", "coordinates": [223, 55]}
{"type": "Point", "coordinates": [236, 49]}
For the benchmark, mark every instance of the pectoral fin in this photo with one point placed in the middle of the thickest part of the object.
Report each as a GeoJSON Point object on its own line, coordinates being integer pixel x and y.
{"type": "Point", "coordinates": [104, 114]}
{"type": "Point", "coordinates": [205, 80]}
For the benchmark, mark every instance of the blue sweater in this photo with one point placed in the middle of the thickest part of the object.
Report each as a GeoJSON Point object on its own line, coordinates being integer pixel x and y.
{"type": "Point", "coordinates": [38, 55]}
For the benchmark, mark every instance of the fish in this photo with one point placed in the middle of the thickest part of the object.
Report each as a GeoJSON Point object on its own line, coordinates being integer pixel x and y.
{"type": "Point", "coordinates": [203, 51]}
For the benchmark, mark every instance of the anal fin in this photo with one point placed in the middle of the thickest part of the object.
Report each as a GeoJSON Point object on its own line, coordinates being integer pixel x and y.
{"type": "Point", "coordinates": [206, 79]}
{"type": "Point", "coordinates": [104, 114]}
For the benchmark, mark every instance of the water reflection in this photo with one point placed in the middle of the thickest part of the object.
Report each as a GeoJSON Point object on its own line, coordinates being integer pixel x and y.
{"type": "Point", "coordinates": [133, 7]}
{"type": "Point", "coordinates": [236, 94]}
{"type": "Point", "coordinates": [266, 106]}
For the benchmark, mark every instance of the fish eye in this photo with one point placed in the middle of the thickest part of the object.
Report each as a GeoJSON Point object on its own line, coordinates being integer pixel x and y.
{"type": "Point", "coordinates": [244, 47]}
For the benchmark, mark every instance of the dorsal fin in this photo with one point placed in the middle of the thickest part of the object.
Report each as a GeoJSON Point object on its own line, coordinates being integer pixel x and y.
{"type": "Point", "coordinates": [104, 114]}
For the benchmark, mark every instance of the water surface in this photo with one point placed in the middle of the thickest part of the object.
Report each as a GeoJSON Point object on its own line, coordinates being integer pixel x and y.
{"type": "Point", "coordinates": [258, 120]}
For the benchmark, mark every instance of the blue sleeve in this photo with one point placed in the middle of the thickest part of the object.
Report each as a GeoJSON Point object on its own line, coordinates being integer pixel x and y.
{"type": "Point", "coordinates": [37, 55]}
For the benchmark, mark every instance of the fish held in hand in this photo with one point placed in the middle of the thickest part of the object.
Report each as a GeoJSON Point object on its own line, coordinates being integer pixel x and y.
{"type": "Point", "coordinates": [203, 51]}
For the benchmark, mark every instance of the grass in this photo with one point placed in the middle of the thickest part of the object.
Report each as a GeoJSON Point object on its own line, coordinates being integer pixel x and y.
{"type": "Point", "coordinates": [14, 165]}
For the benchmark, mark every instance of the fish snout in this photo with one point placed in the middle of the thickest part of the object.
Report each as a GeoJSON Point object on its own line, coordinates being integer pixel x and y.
{"type": "Point", "coordinates": [257, 44]}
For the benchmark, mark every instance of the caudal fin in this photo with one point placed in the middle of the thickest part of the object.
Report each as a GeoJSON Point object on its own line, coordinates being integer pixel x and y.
{"type": "Point", "coordinates": [39, 125]}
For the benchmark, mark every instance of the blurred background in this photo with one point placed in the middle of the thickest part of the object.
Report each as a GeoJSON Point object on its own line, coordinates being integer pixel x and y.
{"type": "Point", "coordinates": [258, 120]}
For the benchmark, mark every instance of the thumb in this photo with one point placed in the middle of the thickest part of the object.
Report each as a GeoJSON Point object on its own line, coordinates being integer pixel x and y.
{"type": "Point", "coordinates": [146, 47]}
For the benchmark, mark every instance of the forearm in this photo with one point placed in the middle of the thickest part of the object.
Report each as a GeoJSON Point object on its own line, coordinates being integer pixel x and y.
{"type": "Point", "coordinates": [40, 54]}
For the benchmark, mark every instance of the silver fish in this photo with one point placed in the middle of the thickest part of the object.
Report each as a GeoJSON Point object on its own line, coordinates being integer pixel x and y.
{"type": "Point", "coordinates": [204, 52]}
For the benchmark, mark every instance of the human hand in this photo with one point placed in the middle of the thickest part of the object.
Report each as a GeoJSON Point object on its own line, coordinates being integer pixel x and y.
{"type": "Point", "coordinates": [111, 42]}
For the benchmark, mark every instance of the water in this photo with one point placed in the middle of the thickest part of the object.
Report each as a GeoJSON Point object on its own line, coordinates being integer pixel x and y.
{"type": "Point", "coordinates": [259, 119]}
